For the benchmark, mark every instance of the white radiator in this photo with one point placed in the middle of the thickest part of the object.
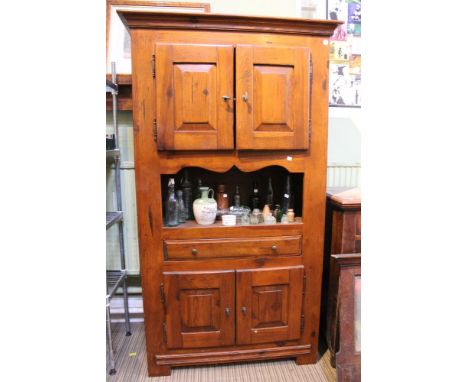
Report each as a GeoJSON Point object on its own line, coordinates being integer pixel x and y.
{"type": "Point", "coordinates": [343, 175]}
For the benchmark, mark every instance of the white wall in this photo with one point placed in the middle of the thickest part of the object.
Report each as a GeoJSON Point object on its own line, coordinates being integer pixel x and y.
{"type": "Point", "coordinates": [344, 135]}
{"type": "Point", "coordinates": [279, 8]}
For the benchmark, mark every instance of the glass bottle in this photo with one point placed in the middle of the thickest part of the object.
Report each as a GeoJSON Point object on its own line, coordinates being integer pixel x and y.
{"type": "Point", "coordinates": [269, 219]}
{"type": "Point", "coordinates": [287, 197]}
{"type": "Point", "coordinates": [290, 215]}
{"type": "Point", "coordinates": [199, 184]}
{"type": "Point", "coordinates": [181, 217]}
{"type": "Point", "coordinates": [237, 199]}
{"type": "Point", "coordinates": [187, 196]}
{"type": "Point", "coordinates": [269, 197]}
{"type": "Point", "coordinates": [255, 197]}
{"type": "Point", "coordinates": [254, 216]}
{"type": "Point", "coordinates": [245, 220]}
{"type": "Point", "coordinates": [277, 213]}
{"type": "Point", "coordinates": [171, 206]}
{"type": "Point", "coordinates": [266, 211]}
{"type": "Point", "coordinates": [222, 198]}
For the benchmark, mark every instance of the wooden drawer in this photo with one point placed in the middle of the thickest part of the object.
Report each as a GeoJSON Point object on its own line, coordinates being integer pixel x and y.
{"type": "Point", "coordinates": [239, 247]}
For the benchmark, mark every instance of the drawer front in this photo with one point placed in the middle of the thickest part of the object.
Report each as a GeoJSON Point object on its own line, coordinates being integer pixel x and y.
{"type": "Point", "coordinates": [239, 247]}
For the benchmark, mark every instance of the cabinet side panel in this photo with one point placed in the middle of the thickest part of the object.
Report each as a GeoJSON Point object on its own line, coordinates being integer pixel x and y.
{"type": "Point", "coordinates": [148, 191]}
{"type": "Point", "coordinates": [315, 197]}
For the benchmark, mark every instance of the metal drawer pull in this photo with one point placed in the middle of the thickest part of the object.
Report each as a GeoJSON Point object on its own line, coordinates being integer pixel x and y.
{"type": "Point", "coordinates": [245, 96]}
{"type": "Point", "coordinates": [244, 310]}
{"type": "Point", "coordinates": [194, 251]}
{"type": "Point", "coordinates": [225, 98]}
{"type": "Point", "coordinates": [274, 247]}
{"type": "Point", "coordinates": [227, 312]}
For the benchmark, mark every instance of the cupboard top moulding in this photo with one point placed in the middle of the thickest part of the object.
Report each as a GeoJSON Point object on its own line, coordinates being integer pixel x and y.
{"type": "Point", "coordinates": [229, 23]}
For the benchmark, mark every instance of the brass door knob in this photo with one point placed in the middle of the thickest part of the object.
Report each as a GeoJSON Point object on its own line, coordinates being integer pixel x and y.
{"type": "Point", "coordinates": [274, 247]}
{"type": "Point", "coordinates": [194, 251]}
{"type": "Point", "coordinates": [244, 310]}
{"type": "Point", "coordinates": [227, 312]}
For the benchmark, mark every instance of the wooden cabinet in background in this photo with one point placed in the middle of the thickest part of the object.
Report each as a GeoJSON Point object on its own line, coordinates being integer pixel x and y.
{"type": "Point", "coordinates": [230, 99]}
{"type": "Point", "coordinates": [344, 316]}
{"type": "Point", "coordinates": [342, 257]}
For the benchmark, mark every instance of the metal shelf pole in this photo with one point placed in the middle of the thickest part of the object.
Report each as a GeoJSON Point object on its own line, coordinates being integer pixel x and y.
{"type": "Point", "coordinates": [119, 199]}
{"type": "Point", "coordinates": [118, 190]}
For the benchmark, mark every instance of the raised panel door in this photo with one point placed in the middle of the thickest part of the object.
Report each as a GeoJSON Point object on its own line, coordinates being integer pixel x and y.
{"type": "Point", "coordinates": [199, 309]}
{"type": "Point", "coordinates": [194, 90]}
{"type": "Point", "coordinates": [272, 86]}
{"type": "Point", "coordinates": [268, 304]}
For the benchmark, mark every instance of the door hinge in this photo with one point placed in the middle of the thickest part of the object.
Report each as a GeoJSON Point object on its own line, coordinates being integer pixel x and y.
{"type": "Point", "coordinates": [302, 324]}
{"type": "Point", "coordinates": [153, 65]}
{"type": "Point", "coordinates": [310, 97]}
{"type": "Point", "coordinates": [163, 297]}
{"type": "Point", "coordinates": [155, 130]}
{"type": "Point", "coordinates": [164, 333]}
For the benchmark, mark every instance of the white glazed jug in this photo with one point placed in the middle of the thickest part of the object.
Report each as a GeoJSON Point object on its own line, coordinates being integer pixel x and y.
{"type": "Point", "coordinates": [205, 208]}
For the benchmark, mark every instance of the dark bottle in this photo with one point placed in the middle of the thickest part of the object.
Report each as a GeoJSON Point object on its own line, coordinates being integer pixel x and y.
{"type": "Point", "coordinates": [269, 197]}
{"type": "Point", "coordinates": [171, 206]}
{"type": "Point", "coordinates": [237, 199]}
{"type": "Point", "coordinates": [199, 184]}
{"type": "Point", "coordinates": [277, 213]}
{"type": "Point", "coordinates": [222, 198]}
{"type": "Point", "coordinates": [187, 196]}
{"type": "Point", "coordinates": [181, 217]}
{"type": "Point", "coordinates": [287, 201]}
{"type": "Point", "coordinates": [255, 197]}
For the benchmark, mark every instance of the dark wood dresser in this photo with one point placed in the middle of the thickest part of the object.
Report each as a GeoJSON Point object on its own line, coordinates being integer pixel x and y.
{"type": "Point", "coordinates": [342, 273]}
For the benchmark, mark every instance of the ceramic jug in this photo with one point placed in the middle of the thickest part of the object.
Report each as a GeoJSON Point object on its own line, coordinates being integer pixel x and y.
{"type": "Point", "coordinates": [205, 208]}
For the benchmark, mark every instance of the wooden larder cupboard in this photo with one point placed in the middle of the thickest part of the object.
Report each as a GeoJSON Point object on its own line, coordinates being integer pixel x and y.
{"type": "Point", "coordinates": [233, 96]}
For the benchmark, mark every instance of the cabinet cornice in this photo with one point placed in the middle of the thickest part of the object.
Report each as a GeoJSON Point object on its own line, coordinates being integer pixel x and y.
{"type": "Point", "coordinates": [228, 23]}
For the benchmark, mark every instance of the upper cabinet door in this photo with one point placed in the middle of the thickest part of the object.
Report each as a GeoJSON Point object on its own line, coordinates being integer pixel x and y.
{"type": "Point", "coordinates": [194, 91]}
{"type": "Point", "coordinates": [272, 97]}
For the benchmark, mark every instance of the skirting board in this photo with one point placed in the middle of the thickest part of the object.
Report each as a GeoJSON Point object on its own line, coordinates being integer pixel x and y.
{"type": "Point", "coordinates": [135, 308]}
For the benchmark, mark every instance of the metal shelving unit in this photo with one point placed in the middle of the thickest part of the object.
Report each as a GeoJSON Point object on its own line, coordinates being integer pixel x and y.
{"type": "Point", "coordinates": [116, 278]}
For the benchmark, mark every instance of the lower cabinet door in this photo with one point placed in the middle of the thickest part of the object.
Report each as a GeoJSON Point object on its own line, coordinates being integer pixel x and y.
{"type": "Point", "coordinates": [269, 304]}
{"type": "Point", "coordinates": [199, 309]}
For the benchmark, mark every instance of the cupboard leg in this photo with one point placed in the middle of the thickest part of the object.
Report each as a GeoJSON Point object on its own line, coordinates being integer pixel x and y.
{"type": "Point", "coordinates": [306, 359]}
{"type": "Point", "coordinates": [333, 359]}
{"type": "Point", "coordinates": [159, 370]}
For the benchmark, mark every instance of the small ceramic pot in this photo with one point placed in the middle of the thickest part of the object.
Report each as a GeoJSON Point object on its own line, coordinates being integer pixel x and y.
{"type": "Point", "coordinates": [229, 219]}
{"type": "Point", "coordinates": [205, 208]}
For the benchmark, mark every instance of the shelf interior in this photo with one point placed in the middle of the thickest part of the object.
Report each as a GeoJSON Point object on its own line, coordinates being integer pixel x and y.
{"type": "Point", "coordinates": [234, 177]}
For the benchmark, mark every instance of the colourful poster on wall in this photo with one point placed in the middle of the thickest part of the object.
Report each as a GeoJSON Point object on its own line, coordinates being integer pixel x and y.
{"type": "Point", "coordinates": [345, 53]}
